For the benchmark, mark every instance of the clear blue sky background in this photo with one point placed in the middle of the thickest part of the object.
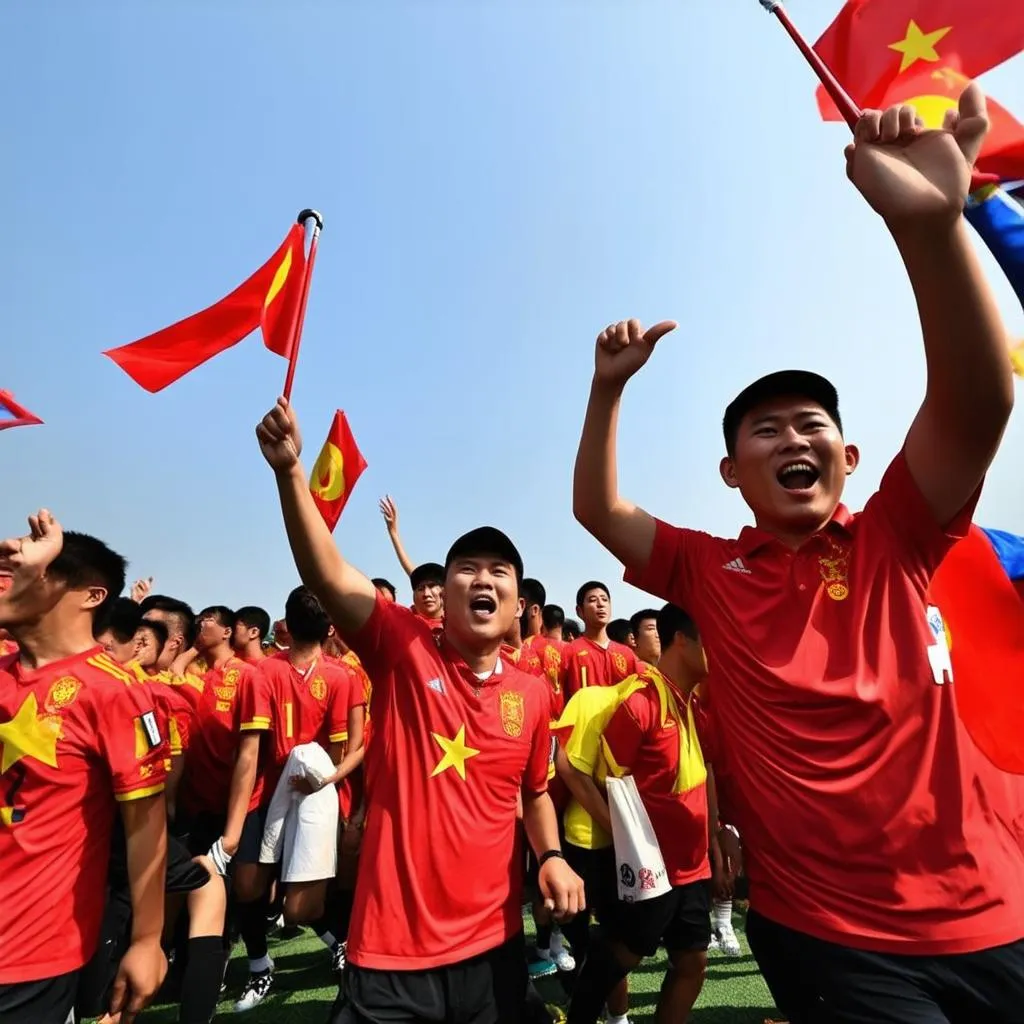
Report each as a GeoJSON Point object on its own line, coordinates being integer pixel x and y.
{"type": "Point", "coordinates": [500, 179]}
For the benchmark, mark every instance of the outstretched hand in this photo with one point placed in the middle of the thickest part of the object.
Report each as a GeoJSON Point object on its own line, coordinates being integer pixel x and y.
{"type": "Point", "coordinates": [29, 557]}
{"type": "Point", "coordinates": [623, 348]}
{"type": "Point", "coordinates": [912, 175]}
{"type": "Point", "coordinates": [389, 510]}
{"type": "Point", "coordinates": [279, 437]}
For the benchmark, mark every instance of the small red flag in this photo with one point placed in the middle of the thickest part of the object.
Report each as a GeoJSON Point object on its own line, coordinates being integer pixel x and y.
{"type": "Point", "coordinates": [873, 43]}
{"type": "Point", "coordinates": [14, 415]}
{"type": "Point", "coordinates": [984, 619]}
{"type": "Point", "coordinates": [336, 470]}
{"type": "Point", "coordinates": [269, 299]}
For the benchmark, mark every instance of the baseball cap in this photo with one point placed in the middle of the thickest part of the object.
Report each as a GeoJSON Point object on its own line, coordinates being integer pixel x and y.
{"type": "Point", "coordinates": [486, 540]}
{"type": "Point", "coordinates": [803, 383]}
{"type": "Point", "coordinates": [428, 572]}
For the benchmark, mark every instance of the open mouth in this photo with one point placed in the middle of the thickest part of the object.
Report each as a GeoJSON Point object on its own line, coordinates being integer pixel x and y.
{"type": "Point", "coordinates": [798, 476]}
{"type": "Point", "coordinates": [483, 604]}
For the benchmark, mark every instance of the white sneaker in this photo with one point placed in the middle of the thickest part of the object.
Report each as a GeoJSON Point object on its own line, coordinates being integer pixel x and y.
{"type": "Point", "coordinates": [564, 960]}
{"type": "Point", "coordinates": [257, 988]}
{"type": "Point", "coordinates": [713, 946]}
{"type": "Point", "coordinates": [728, 943]}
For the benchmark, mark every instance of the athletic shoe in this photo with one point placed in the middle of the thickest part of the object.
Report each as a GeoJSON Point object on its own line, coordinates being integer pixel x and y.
{"type": "Point", "coordinates": [543, 966]}
{"type": "Point", "coordinates": [727, 941]}
{"type": "Point", "coordinates": [556, 1012]}
{"type": "Point", "coordinates": [257, 988]}
{"type": "Point", "coordinates": [338, 956]}
{"type": "Point", "coordinates": [713, 946]}
{"type": "Point", "coordinates": [564, 960]}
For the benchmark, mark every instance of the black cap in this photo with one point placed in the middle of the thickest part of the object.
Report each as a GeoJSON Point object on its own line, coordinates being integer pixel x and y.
{"type": "Point", "coordinates": [428, 572]}
{"type": "Point", "coordinates": [801, 383]}
{"type": "Point", "coordinates": [486, 540]}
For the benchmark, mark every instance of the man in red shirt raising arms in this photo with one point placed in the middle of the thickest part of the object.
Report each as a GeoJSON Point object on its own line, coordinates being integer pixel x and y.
{"type": "Point", "coordinates": [459, 735]}
{"type": "Point", "coordinates": [885, 878]}
{"type": "Point", "coordinates": [77, 743]}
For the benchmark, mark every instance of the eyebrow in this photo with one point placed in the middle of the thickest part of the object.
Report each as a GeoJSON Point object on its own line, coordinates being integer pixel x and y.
{"type": "Point", "coordinates": [774, 417]}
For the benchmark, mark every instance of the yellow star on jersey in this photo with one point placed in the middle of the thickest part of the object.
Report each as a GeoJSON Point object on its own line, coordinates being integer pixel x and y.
{"type": "Point", "coordinates": [26, 736]}
{"type": "Point", "coordinates": [456, 753]}
{"type": "Point", "coordinates": [918, 45]}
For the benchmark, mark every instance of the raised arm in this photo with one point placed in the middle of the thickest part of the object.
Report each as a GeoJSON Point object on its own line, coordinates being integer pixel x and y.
{"type": "Point", "coordinates": [918, 181]}
{"type": "Point", "coordinates": [389, 510]}
{"type": "Point", "coordinates": [625, 529]}
{"type": "Point", "coordinates": [346, 594]}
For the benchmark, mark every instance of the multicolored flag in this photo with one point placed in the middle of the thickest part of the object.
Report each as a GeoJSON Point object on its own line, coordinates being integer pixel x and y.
{"type": "Point", "coordinates": [925, 52]}
{"type": "Point", "coordinates": [14, 415]}
{"type": "Point", "coordinates": [336, 470]}
{"type": "Point", "coordinates": [984, 624]}
{"type": "Point", "coordinates": [269, 299]}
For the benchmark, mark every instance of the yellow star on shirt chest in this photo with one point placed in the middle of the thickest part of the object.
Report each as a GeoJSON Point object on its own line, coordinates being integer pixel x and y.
{"type": "Point", "coordinates": [26, 735]}
{"type": "Point", "coordinates": [456, 753]}
{"type": "Point", "coordinates": [918, 45]}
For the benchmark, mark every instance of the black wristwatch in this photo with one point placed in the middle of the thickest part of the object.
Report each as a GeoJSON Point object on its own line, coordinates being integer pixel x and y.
{"type": "Point", "coordinates": [549, 855]}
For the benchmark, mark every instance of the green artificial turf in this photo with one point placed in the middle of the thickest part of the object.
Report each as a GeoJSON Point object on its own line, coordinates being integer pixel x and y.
{"type": "Point", "coordinates": [305, 989]}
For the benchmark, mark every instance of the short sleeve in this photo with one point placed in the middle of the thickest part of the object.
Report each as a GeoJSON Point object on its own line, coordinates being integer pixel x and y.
{"type": "Point", "coordinates": [132, 742]}
{"type": "Point", "coordinates": [344, 686]}
{"type": "Point", "coordinates": [623, 735]}
{"type": "Point", "coordinates": [254, 701]}
{"type": "Point", "coordinates": [385, 636]}
{"type": "Point", "coordinates": [579, 728]}
{"type": "Point", "coordinates": [898, 502]}
{"type": "Point", "coordinates": [672, 566]}
{"type": "Point", "coordinates": [535, 778]}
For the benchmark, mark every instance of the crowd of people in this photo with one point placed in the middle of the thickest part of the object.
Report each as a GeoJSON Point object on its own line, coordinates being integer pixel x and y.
{"type": "Point", "coordinates": [401, 778]}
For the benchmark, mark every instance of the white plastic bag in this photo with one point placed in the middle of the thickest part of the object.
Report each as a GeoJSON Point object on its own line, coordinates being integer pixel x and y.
{"type": "Point", "coordinates": [642, 874]}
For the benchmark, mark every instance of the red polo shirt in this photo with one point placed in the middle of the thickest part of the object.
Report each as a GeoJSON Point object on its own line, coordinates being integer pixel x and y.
{"type": "Point", "coordinates": [869, 817]}
{"type": "Point", "coordinates": [584, 663]}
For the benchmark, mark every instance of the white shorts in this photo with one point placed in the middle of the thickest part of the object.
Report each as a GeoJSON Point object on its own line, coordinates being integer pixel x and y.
{"type": "Point", "coordinates": [302, 829]}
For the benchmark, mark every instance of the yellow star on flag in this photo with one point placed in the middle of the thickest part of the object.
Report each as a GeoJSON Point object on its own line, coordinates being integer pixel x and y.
{"type": "Point", "coordinates": [918, 45]}
{"type": "Point", "coordinates": [456, 753]}
{"type": "Point", "coordinates": [26, 736]}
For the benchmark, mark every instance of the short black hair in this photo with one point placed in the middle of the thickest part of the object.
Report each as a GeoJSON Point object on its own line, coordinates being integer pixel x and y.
{"type": "Point", "coordinates": [180, 611]}
{"type": "Point", "coordinates": [305, 617]}
{"type": "Point", "coordinates": [672, 620]}
{"type": "Point", "coordinates": [553, 616]}
{"type": "Point", "coordinates": [84, 561]}
{"type": "Point", "coordinates": [532, 591]}
{"type": "Point", "coordinates": [253, 617]}
{"type": "Point", "coordinates": [587, 587]}
{"type": "Point", "coordinates": [428, 572]}
{"type": "Point", "coordinates": [571, 630]}
{"type": "Point", "coordinates": [121, 617]}
{"type": "Point", "coordinates": [382, 584]}
{"type": "Point", "coordinates": [225, 616]}
{"type": "Point", "coordinates": [777, 385]}
{"type": "Point", "coordinates": [642, 616]}
{"type": "Point", "coordinates": [619, 631]}
{"type": "Point", "coordinates": [159, 631]}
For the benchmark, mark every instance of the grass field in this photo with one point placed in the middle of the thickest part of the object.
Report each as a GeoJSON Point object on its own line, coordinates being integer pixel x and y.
{"type": "Point", "coordinates": [305, 989]}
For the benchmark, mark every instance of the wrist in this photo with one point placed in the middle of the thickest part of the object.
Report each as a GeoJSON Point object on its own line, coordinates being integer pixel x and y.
{"type": "Point", "coordinates": [291, 475]}
{"type": "Point", "coordinates": [145, 937]}
{"type": "Point", "coordinates": [549, 855]}
{"type": "Point", "coordinates": [928, 236]}
{"type": "Point", "coordinates": [606, 390]}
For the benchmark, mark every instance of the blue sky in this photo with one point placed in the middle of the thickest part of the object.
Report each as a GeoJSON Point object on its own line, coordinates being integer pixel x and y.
{"type": "Point", "coordinates": [499, 179]}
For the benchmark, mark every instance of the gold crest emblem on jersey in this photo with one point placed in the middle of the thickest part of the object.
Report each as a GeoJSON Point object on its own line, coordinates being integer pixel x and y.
{"type": "Point", "coordinates": [62, 693]}
{"type": "Point", "coordinates": [318, 688]}
{"type": "Point", "coordinates": [231, 677]}
{"type": "Point", "coordinates": [835, 572]}
{"type": "Point", "coordinates": [224, 693]}
{"type": "Point", "coordinates": [512, 708]}
{"type": "Point", "coordinates": [619, 661]}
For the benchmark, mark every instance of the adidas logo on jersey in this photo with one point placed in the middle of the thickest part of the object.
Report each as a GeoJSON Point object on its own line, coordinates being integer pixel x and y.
{"type": "Point", "coordinates": [736, 565]}
{"type": "Point", "coordinates": [436, 685]}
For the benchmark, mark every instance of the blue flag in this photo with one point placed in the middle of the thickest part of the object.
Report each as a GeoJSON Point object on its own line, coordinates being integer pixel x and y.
{"type": "Point", "coordinates": [997, 214]}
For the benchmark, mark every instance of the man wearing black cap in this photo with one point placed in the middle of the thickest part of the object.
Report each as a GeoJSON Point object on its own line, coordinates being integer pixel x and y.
{"type": "Point", "coordinates": [459, 736]}
{"type": "Point", "coordinates": [887, 884]}
{"type": "Point", "coordinates": [427, 593]}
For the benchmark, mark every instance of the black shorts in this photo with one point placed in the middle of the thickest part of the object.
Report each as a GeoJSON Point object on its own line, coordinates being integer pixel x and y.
{"type": "Point", "coordinates": [817, 982]}
{"type": "Point", "coordinates": [199, 831]}
{"type": "Point", "coordinates": [488, 989]}
{"type": "Point", "coordinates": [680, 921]}
{"type": "Point", "coordinates": [49, 1001]}
{"type": "Point", "coordinates": [597, 869]}
{"type": "Point", "coordinates": [252, 837]}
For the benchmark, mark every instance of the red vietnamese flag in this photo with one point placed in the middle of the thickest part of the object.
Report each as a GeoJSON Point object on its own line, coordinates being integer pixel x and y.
{"type": "Point", "coordinates": [14, 415]}
{"type": "Point", "coordinates": [984, 619]}
{"type": "Point", "coordinates": [268, 299]}
{"type": "Point", "coordinates": [336, 470]}
{"type": "Point", "coordinates": [872, 43]}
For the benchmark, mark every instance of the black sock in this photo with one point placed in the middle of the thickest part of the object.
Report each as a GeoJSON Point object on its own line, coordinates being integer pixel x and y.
{"type": "Point", "coordinates": [200, 984]}
{"type": "Point", "coordinates": [600, 973]}
{"type": "Point", "coordinates": [543, 936]}
{"type": "Point", "coordinates": [252, 925]}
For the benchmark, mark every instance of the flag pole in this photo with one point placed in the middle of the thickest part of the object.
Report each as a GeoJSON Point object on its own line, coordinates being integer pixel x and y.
{"type": "Point", "coordinates": [293, 350]}
{"type": "Point", "coordinates": [842, 99]}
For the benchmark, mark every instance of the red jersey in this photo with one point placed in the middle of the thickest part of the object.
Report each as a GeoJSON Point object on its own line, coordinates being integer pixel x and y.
{"type": "Point", "coordinates": [450, 755]}
{"type": "Point", "coordinates": [171, 702]}
{"type": "Point", "coordinates": [213, 745]}
{"type": "Point", "coordinates": [76, 736]}
{"type": "Point", "coordinates": [653, 736]}
{"type": "Point", "coordinates": [297, 706]}
{"type": "Point", "coordinates": [832, 686]}
{"type": "Point", "coordinates": [585, 663]}
{"type": "Point", "coordinates": [550, 654]}
{"type": "Point", "coordinates": [7, 648]}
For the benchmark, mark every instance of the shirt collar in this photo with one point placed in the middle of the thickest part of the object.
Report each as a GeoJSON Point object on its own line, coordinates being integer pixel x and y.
{"type": "Point", "coordinates": [753, 539]}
